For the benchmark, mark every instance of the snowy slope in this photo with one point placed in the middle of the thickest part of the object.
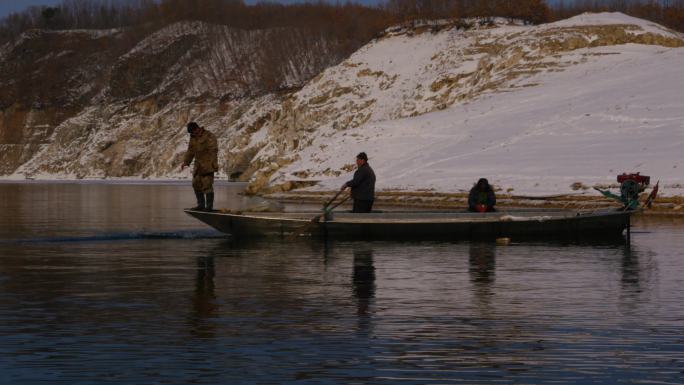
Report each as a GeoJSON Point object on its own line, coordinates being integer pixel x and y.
{"type": "Point", "coordinates": [586, 125]}
{"type": "Point", "coordinates": [533, 123]}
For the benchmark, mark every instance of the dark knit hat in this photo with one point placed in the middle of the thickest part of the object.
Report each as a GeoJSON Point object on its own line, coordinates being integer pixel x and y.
{"type": "Point", "coordinates": [362, 155]}
{"type": "Point", "coordinates": [192, 126]}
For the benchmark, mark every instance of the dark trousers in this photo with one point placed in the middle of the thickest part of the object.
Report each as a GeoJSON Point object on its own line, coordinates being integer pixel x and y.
{"type": "Point", "coordinates": [362, 206]}
{"type": "Point", "coordinates": [490, 209]}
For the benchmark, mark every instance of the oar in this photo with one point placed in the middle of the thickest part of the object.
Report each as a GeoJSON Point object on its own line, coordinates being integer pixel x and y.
{"type": "Point", "coordinates": [325, 206]}
{"type": "Point", "coordinates": [317, 218]}
{"type": "Point", "coordinates": [332, 208]}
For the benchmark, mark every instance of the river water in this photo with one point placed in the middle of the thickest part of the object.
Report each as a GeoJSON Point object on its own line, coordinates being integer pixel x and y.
{"type": "Point", "coordinates": [114, 284]}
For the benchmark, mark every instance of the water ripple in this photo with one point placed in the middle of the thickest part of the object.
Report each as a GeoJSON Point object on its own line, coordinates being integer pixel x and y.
{"type": "Point", "coordinates": [124, 236]}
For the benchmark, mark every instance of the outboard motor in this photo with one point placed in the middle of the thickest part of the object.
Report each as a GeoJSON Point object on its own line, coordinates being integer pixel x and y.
{"type": "Point", "coordinates": [631, 185]}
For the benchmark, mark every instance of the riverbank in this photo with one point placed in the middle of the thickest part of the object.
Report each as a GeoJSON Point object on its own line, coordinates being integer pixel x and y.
{"type": "Point", "coordinates": [663, 205]}
{"type": "Point", "coordinates": [437, 200]}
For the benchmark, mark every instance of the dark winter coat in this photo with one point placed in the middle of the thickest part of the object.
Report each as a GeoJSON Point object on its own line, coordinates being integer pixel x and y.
{"type": "Point", "coordinates": [363, 184]}
{"type": "Point", "coordinates": [485, 197]}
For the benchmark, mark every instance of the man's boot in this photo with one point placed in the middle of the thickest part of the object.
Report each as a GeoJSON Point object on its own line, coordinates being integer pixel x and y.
{"type": "Point", "coordinates": [210, 202]}
{"type": "Point", "coordinates": [200, 201]}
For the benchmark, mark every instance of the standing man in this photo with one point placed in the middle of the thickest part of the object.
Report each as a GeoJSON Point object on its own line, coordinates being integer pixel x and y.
{"type": "Point", "coordinates": [362, 186]}
{"type": "Point", "coordinates": [203, 148]}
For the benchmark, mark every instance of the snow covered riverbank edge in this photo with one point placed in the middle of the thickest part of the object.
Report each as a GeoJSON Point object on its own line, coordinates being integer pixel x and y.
{"type": "Point", "coordinates": [666, 204]}
{"type": "Point", "coordinates": [669, 205]}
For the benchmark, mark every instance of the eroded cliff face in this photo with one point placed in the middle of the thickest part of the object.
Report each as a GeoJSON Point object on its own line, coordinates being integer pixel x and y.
{"type": "Point", "coordinates": [103, 104]}
{"type": "Point", "coordinates": [121, 112]}
{"type": "Point", "coordinates": [46, 78]}
{"type": "Point", "coordinates": [138, 139]}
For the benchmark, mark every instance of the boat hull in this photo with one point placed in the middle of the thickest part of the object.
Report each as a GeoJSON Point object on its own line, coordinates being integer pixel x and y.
{"type": "Point", "coordinates": [534, 225]}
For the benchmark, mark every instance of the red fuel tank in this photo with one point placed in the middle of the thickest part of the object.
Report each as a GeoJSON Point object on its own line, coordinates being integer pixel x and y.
{"type": "Point", "coordinates": [638, 178]}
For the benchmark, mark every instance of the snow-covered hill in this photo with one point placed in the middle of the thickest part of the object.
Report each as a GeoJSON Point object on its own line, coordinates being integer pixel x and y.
{"type": "Point", "coordinates": [536, 109]}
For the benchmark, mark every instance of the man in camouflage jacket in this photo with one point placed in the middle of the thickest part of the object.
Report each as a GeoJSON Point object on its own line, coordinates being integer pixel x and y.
{"type": "Point", "coordinates": [203, 148]}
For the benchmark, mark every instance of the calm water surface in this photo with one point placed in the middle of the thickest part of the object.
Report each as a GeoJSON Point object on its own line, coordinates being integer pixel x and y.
{"type": "Point", "coordinates": [113, 283]}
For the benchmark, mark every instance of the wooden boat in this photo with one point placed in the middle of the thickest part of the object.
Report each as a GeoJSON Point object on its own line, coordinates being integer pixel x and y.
{"type": "Point", "coordinates": [534, 224]}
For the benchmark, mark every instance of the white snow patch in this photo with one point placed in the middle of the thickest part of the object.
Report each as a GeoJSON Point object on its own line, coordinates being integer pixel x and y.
{"type": "Point", "coordinates": [622, 113]}
{"type": "Point", "coordinates": [612, 18]}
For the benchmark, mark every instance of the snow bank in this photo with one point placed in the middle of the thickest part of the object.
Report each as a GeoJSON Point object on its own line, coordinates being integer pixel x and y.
{"type": "Point", "coordinates": [602, 111]}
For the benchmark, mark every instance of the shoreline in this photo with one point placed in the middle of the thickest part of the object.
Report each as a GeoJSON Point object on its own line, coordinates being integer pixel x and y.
{"type": "Point", "coordinates": [117, 181]}
{"type": "Point", "coordinates": [662, 206]}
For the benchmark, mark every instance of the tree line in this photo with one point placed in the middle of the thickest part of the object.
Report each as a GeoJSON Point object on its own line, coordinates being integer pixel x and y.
{"type": "Point", "coordinates": [669, 13]}
{"type": "Point", "coordinates": [530, 11]}
{"type": "Point", "coordinates": [347, 21]}
{"type": "Point", "coordinates": [351, 22]}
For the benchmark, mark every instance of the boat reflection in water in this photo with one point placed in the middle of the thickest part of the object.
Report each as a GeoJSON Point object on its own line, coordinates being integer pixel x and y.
{"type": "Point", "coordinates": [204, 300]}
{"type": "Point", "coordinates": [482, 263]}
{"type": "Point", "coordinates": [363, 279]}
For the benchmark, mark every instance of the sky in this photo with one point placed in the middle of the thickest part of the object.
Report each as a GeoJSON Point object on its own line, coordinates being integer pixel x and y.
{"type": "Point", "coordinates": [9, 6]}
